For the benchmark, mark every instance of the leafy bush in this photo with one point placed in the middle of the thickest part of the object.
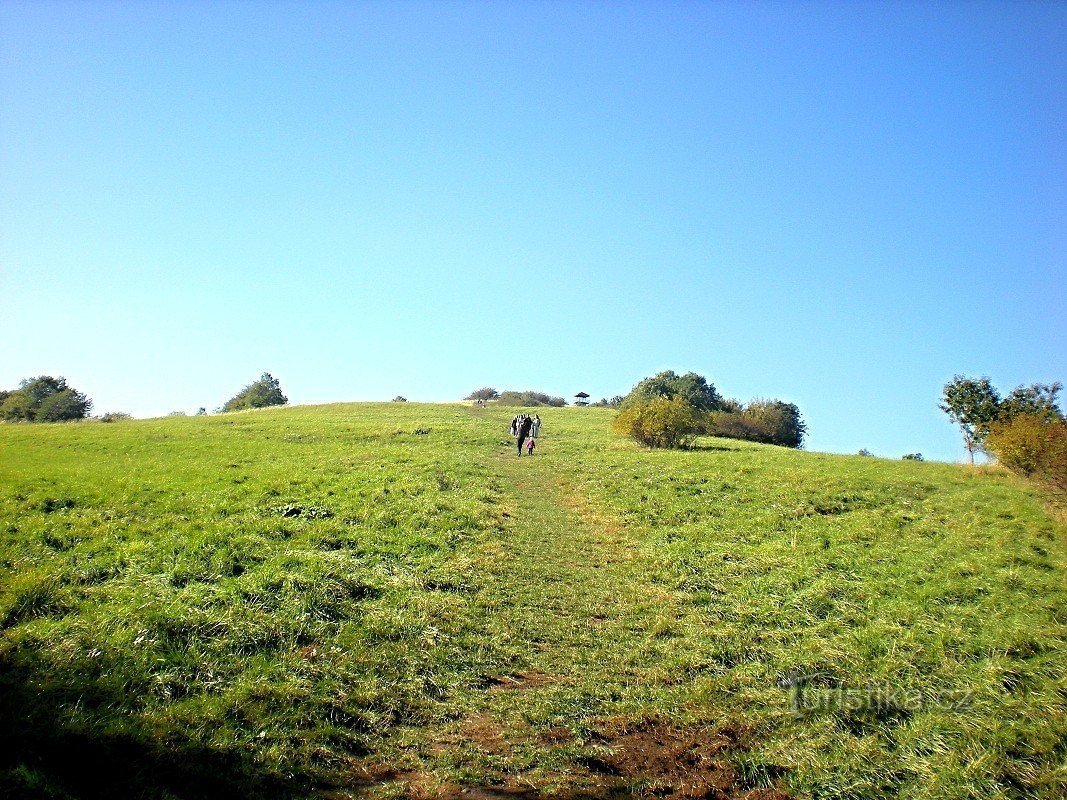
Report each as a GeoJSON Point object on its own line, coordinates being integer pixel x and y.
{"type": "Point", "coordinates": [44, 399]}
{"type": "Point", "coordinates": [260, 394]}
{"type": "Point", "coordinates": [1032, 445]}
{"type": "Point", "coordinates": [692, 388]}
{"type": "Point", "coordinates": [612, 402]}
{"type": "Point", "coordinates": [913, 457]}
{"type": "Point", "coordinates": [866, 453]}
{"type": "Point", "coordinates": [400, 399]}
{"type": "Point", "coordinates": [485, 393]}
{"type": "Point", "coordinates": [660, 422]}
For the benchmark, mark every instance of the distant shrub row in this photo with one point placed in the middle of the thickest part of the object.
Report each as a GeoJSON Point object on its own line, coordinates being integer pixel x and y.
{"type": "Point", "coordinates": [512, 398]}
{"type": "Point", "coordinates": [671, 410]}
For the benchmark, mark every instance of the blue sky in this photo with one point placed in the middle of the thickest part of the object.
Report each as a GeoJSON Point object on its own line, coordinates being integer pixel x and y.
{"type": "Point", "coordinates": [838, 204]}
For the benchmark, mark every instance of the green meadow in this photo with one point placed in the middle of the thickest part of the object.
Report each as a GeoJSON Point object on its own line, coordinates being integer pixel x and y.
{"type": "Point", "coordinates": [383, 601]}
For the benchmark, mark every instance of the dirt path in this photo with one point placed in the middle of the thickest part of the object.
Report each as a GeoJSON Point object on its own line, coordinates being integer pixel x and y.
{"type": "Point", "coordinates": [585, 711]}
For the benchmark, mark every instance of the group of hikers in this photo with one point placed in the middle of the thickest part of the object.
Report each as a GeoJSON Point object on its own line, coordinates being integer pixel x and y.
{"type": "Point", "coordinates": [526, 429]}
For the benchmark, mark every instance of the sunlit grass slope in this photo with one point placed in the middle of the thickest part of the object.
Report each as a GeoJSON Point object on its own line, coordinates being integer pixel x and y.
{"type": "Point", "coordinates": [329, 599]}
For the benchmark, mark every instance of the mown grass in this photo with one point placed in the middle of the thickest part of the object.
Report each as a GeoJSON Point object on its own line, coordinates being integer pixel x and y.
{"type": "Point", "coordinates": [284, 602]}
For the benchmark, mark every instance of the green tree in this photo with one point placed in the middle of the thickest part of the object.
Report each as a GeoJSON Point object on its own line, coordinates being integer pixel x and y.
{"type": "Point", "coordinates": [1037, 399]}
{"type": "Point", "coordinates": [692, 388]}
{"type": "Point", "coordinates": [17, 407]}
{"type": "Point", "coordinates": [973, 405]}
{"type": "Point", "coordinates": [44, 399]}
{"type": "Point", "coordinates": [260, 394]}
{"type": "Point", "coordinates": [62, 406]}
{"type": "Point", "coordinates": [781, 420]}
{"type": "Point", "coordinates": [485, 393]}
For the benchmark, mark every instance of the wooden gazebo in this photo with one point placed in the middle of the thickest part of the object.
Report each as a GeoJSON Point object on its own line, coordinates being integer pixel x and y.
{"type": "Point", "coordinates": [581, 399]}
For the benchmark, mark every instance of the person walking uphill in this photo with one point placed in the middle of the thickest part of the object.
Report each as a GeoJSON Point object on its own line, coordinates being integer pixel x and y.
{"type": "Point", "coordinates": [524, 431]}
{"type": "Point", "coordinates": [536, 429]}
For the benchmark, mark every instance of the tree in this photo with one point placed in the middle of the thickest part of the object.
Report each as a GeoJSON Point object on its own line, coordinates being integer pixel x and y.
{"type": "Point", "coordinates": [400, 399]}
{"type": "Point", "coordinates": [260, 394]}
{"type": "Point", "coordinates": [782, 420]}
{"type": "Point", "coordinates": [485, 393]}
{"type": "Point", "coordinates": [693, 388]}
{"type": "Point", "coordinates": [44, 399]}
{"type": "Point", "coordinates": [660, 422]}
{"type": "Point", "coordinates": [17, 407]}
{"type": "Point", "coordinates": [64, 405]}
{"type": "Point", "coordinates": [912, 457]}
{"type": "Point", "coordinates": [1036, 400]}
{"type": "Point", "coordinates": [973, 405]}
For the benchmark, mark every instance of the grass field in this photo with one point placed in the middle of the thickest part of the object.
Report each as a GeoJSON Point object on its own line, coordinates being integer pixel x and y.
{"type": "Point", "coordinates": [369, 600]}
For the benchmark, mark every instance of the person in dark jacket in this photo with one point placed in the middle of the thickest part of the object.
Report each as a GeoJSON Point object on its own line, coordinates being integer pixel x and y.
{"type": "Point", "coordinates": [524, 431]}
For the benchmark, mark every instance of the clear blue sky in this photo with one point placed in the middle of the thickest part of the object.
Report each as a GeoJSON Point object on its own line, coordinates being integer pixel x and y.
{"type": "Point", "coordinates": [838, 204]}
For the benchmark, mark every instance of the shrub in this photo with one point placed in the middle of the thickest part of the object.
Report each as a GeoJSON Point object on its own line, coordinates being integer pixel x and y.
{"type": "Point", "coordinates": [660, 422]}
{"type": "Point", "coordinates": [912, 457]}
{"type": "Point", "coordinates": [485, 393]}
{"type": "Point", "coordinates": [114, 416]}
{"type": "Point", "coordinates": [1032, 445]}
{"type": "Point", "coordinates": [865, 452]}
{"type": "Point", "coordinates": [400, 399]}
{"type": "Point", "coordinates": [691, 387]}
{"type": "Point", "coordinates": [260, 394]}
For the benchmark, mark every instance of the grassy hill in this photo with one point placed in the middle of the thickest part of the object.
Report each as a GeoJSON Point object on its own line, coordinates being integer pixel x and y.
{"type": "Point", "coordinates": [383, 601]}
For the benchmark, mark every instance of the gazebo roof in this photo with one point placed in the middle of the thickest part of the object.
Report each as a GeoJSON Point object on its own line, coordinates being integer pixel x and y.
{"type": "Point", "coordinates": [581, 394]}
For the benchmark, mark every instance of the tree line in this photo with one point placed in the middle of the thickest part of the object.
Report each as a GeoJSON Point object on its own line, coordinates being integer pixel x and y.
{"type": "Point", "coordinates": [48, 399]}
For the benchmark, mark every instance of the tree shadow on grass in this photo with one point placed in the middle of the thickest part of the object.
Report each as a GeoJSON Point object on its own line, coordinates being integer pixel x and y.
{"type": "Point", "coordinates": [718, 448]}
{"type": "Point", "coordinates": [41, 756]}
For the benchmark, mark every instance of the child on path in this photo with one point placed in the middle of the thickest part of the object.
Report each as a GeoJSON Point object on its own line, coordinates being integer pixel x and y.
{"type": "Point", "coordinates": [530, 444]}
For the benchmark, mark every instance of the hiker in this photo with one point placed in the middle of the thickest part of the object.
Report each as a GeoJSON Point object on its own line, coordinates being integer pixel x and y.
{"type": "Point", "coordinates": [536, 429]}
{"type": "Point", "coordinates": [531, 443]}
{"type": "Point", "coordinates": [524, 431]}
{"type": "Point", "coordinates": [515, 426]}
